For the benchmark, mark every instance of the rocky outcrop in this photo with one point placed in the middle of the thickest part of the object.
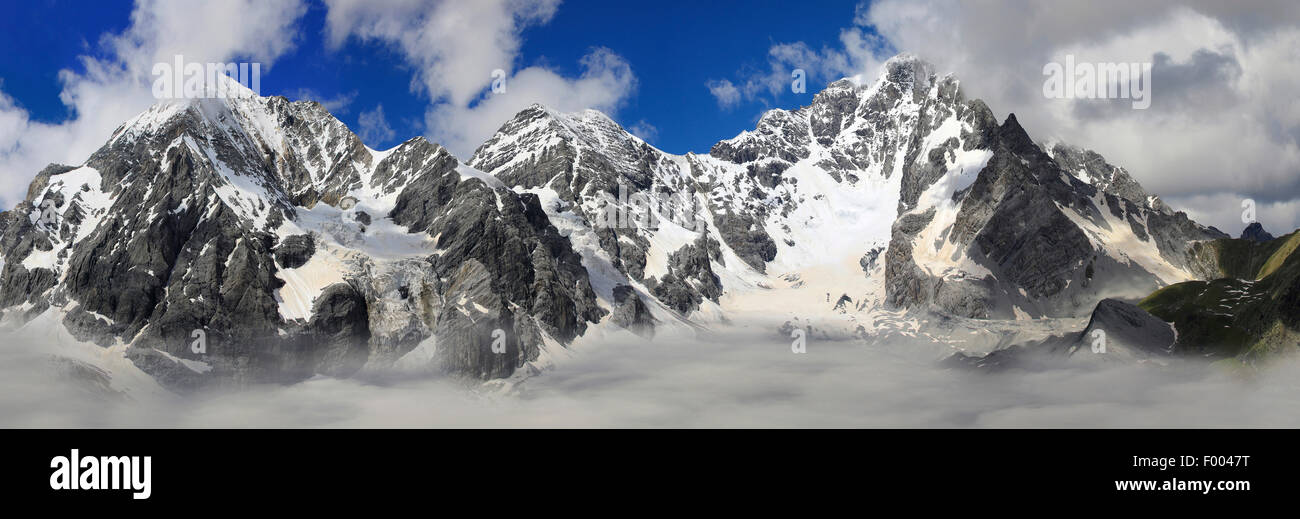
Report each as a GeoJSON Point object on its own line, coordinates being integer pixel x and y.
{"type": "Point", "coordinates": [1031, 234]}
{"type": "Point", "coordinates": [690, 278]}
{"type": "Point", "coordinates": [509, 235]}
{"type": "Point", "coordinates": [476, 333]}
{"type": "Point", "coordinates": [1091, 168]}
{"type": "Point", "coordinates": [1128, 328]}
{"type": "Point", "coordinates": [631, 312]}
{"type": "Point", "coordinates": [339, 330]}
{"type": "Point", "coordinates": [1255, 232]}
{"type": "Point", "coordinates": [747, 237]}
{"type": "Point", "coordinates": [1117, 332]}
{"type": "Point", "coordinates": [295, 251]}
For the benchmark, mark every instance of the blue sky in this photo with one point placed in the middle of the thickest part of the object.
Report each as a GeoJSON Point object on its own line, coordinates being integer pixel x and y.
{"type": "Point", "coordinates": [673, 50]}
{"type": "Point", "coordinates": [43, 37]}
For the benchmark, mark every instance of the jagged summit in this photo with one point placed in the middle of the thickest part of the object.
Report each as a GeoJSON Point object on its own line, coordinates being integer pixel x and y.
{"type": "Point", "coordinates": [1255, 232]}
{"type": "Point", "coordinates": [1091, 168]}
{"type": "Point", "coordinates": [1015, 136]}
{"type": "Point", "coordinates": [907, 59]}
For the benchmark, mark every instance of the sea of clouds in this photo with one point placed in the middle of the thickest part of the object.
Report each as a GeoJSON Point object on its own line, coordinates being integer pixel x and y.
{"type": "Point", "coordinates": [739, 377]}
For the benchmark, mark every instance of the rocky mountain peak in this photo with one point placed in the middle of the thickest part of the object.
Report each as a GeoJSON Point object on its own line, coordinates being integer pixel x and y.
{"type": "Point", "coordinates": [1015, 136]}
{"type": "Point", "coordinates": [910, 73]}
{"type": "Point", "coordinates": [1255, 232]}
{"type": "Point", "coordinates": [570, 152]}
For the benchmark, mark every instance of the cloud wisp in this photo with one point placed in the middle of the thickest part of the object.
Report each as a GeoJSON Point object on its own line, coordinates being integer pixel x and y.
{"type": "Point", "coordinates": [374, 127]}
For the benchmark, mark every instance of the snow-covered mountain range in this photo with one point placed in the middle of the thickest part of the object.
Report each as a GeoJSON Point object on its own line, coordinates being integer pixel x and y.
{"type": "Point", "coordinates": [253, 239]}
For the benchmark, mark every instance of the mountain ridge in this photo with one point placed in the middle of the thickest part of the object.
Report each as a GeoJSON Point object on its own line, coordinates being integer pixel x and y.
{"type": "Point", "coordinates": [270, 227]}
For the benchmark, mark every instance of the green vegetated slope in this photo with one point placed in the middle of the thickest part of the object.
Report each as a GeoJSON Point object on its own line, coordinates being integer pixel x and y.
{"type": "Point", "coordinates": [1251, 309]}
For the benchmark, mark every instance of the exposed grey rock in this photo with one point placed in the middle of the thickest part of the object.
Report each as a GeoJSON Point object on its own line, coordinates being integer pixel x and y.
{"type": "Point", "coordinates": [869, 260]}
{"type": "Point", "coordinates": [474, 321]}
{"type": "Point", "coordinates": [780, 134]}
{"type": "Point", "coordinates": [339, 330]}
{"type": "Point", "coordinates": [531, 265]}
{"type": "Point", "coordinates": [1091, 167]}
{"type": "Point", "coordinates": [166, 370]}
{"type": "Point", "coordinates": [747, 237]}
{"type": "Point", "coordinates": [295, 251]}
{"type": "Point", "coordinates": [631, 312]}
{"type": "Point", "coordinates": [690, 279]}
{"type": "Point", "coordinates": [42, 180]}
{"type": "Point", "coordinates": [1116, 332]}
{"type": "Point", "coordinates": [1025, 235]}
{"type": "Point", "coordinates": [404, 300]}
{"type": "Point", "coordinates": [1174, 233]}
{"type": "Point", "coordinates": [1127, 327]}
{"type": "Point", "coordinates": [600, 171]}
{"type": "Point", "coordinates": [1255, 232]}
{"type": "Point", "coordinates": [1012, 221]}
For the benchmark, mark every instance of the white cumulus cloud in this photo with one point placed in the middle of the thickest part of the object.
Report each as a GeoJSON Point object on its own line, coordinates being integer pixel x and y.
{"type": "Point", "coordinates": [455, 47]}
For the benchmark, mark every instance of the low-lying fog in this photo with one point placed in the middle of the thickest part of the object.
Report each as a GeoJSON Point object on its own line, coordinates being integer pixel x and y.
{"type": "Point", "coordinates": [737, 378]}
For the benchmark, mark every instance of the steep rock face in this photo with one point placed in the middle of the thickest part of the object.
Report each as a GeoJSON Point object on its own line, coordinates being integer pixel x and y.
{"type": "Point", "coordinates": [1008, 222]}
{"type": "Point", "coordinates": [631, 312]}
{"type": "Point", "coordinates": [25, 231]}
{"type": "Point", "coordinates": [295, 251]}
{"type": "Point", "coordinates": [527, 263]}
{"type": "Point", "coordinates": [341, 320]}
{"type": "Point", "coordinates": [622, 202]}
{"type": "Point", "coordinates": [479, 320]}
{"type": "Point", "coordinates": [179, 240]}
{"type": "Point", "coordinates": [1028, 238]}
